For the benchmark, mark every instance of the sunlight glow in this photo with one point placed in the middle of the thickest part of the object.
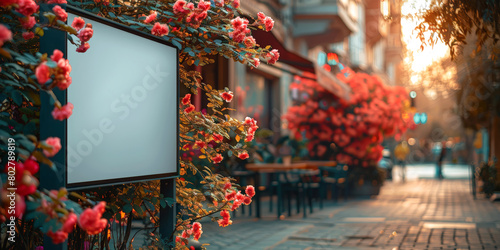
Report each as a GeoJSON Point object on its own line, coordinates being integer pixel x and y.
{"type": "Point", "coordinates": [421, 59]}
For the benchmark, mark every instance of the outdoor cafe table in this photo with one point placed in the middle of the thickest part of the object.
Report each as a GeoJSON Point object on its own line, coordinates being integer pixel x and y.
{"type": "Point", "coordinates": [259, 168]}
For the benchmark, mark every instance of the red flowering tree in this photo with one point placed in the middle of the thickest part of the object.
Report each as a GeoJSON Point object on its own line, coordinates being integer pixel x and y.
{"type": "Point", "coordinates": [200, 29]}
{"type": "Point", "coordinates": [348, 131]}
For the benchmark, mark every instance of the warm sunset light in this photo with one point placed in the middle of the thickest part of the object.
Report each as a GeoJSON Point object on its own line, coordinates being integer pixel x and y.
{"type": "Point", "coordinates": [417, 58]}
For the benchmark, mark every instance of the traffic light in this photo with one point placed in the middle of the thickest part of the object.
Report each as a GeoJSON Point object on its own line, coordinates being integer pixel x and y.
{"type": "Point", "coordinates": [413, 95]}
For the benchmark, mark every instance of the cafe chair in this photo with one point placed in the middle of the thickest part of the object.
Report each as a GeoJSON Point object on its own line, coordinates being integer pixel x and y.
{"type": "Point", "coordinates": [334, 179]}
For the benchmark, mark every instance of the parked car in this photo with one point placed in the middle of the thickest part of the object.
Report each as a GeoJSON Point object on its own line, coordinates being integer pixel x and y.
{"type": "Point", "coordinates": [386, 163]}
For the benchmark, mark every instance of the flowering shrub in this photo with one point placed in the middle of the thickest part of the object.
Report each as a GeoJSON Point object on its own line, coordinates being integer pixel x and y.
{"type": "Point", "coordinates": [199, 29]}
{"type": "Point", "coordinates": [348, 131]}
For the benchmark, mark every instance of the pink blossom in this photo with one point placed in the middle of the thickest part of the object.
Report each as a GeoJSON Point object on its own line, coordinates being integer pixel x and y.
{"type": "Point", "coordinates": [57, 1]}
{"type": "Point", "coordinates": [90, 220]}
{"type": "Point", "coordinates": [236, 4]}
{"type": "Point", "coordinates": [151, 17]}
{"type": "Point", "coordinates": [5, 34]}
{"type": "Point", "coordinates": [243, 155]}
{"type": "Point", "coordinates": [246, 200]}
{"type": "Point", "coordinates": [227, 96]}
{"type": "Point", "coordinates": [250, 191]}
{"type": "Point", "coordinates": [187, 99]}
{"type": "Point", "coordinates": [83, 48]}
{"type": "Point", "coordinates": [85, 34]}
{"type": "Point", "coordinates": [56, 55]}
{"type": "Point", "coordinates": [196, 230]}
{"type": "Point", "coordinates": [104, 2]}
{"type": "Point", "coordinates": [28, 35]}
{"type": "Point", "coordinates": [58, 237]}
{"type": "Point", "coordinates": [70, 223]}
{"type": "Point", "coordinates": [55, 143]}
{"type": "Point", "coordinates": [189, 109]}
{"type": "Point", "coordinates": [217, 158]}
{"type": "Point", "coordinates": [227, 185]}
{"type": "Point", "coordinates": [249, 41]}
{"type": "Point", "coordinates": [159, 29]}
{"type": "Point", "coordinates": [181, 8]}
{"type": "Point", "coordinates": [204, 5]}
{"type": "Point", "coordinates": [256, 62]}
{"type": "Point", "coordinates": [230, 195]}
{"type": "Point", "coordinates": [261, 16]}
{"type": "Point", "coordinates": [60, 13]}
{"type": "Point", "coordinates": [27, 7]}
{"type": "Point", "coordinates": [63, 113]}
{"type": "Point", "coordinates": [28, 22]}
{"type": "Point", "coordinates": [269, 23]}
{"type": "Point", "coordinates": [274, 56]}
{"type": "Point", "coordinates": [42, 73]}
{"type": "Point", "coordinates": [78, 23]}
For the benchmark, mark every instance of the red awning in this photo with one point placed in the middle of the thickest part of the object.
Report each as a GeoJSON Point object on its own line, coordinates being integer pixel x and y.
{"type": "Point", "coordinates": [287, 57]}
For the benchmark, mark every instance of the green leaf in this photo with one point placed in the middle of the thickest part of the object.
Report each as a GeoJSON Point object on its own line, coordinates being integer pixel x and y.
{"type": "Point", "coordinates": [170, 201]}
{"type": "Point", "coordinates": [127, 208]}
{"type": "Point", "coordinates": [138, 209]}
{"type": "Point", "coordinates": [177, 44]}
{"type": "Point", "coordinates": [17, 97]}
{"type": "Point", "coordinates": [149, 205]}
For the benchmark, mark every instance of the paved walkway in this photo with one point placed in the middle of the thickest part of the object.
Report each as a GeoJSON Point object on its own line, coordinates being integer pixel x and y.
{"type": "Point", "coordinates": [418, 214]}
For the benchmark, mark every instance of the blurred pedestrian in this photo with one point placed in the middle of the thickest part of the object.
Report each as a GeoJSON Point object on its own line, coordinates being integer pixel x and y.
{"type": "Point", "coordinates": [439, 169]}
{"type": "Point", "coordinates": [401, 152]}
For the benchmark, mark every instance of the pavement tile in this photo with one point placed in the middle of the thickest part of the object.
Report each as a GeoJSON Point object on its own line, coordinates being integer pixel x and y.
{"type": "Point", "coordinates": [396, 219]}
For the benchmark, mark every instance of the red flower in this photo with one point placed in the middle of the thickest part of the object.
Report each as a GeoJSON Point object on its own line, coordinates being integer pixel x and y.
{"type": "Point", "coordinates": [27, 7]}
{"type": "Point", "coordinates": [225, 221]}
{"type": "Point", "coordinates": [230, 195]}
{"type": "Point", "coordinates": [269, 23]}
{"type": "Point", "coordinates": [31, 165]}
{"type": "Point", "coordinates": [58, 237]}
{"type": "Point", "coordinates": [217, 138]}
{"type": "Point", "coordinates": [42, 73]}
{"type": "Point", "coordinates": [227, 185]}
{"type": "Point", "coordinates": [55, 143]}
{"type": "Point", "coordinates": [217, 158]}
{"type": "Point", "coordinates": [60, 13]}
{"type": "Point", "coordinates": [249, 41]}
{"type": "Point", "coordinates": [187, 99]}
{"type": "Point", "coordinates": [247, 200]}
{"type": "Point", "coordinates": [181, 8]}
{"type": "Point", "coordinates": [28, 35]}
{"type": "Point", "coordinates": [151, 17]}
{"type": "Point", "coordinates": [189, 109]}
{"type": "Point", "coordinates": [200, 144]}
{"type": "Point", "coordinates": [196, 229]}
{"type": "Point", "coordinates": [56, 55]}
{"type": "Point", "coordinates": [90, 220]}
{"type": "Point", "coordinates": [159, 29]}
{"type": "Point", "coordinates": [70, 223]}
{"type": "Point", "coordinates": [227, 96]}
{"type": "Point", "coordinates": [204, 5]}
{"type": "Point", "coordinates": [243, 155]}
{"type": "Point", "coordinates": [250, 191]}
{"type": "Point", "coordinates": [236, 4]}
{"type": "Point", "coordinates": [256, 62]}
{"type": "Point", "coordinates": [274, 55]}
{"type": "Point", "coordinates": [78, 23]}
{"type": "Point", "coordinates": [85, 34]}
{"type": "Point", "coordinates": [58, 1]}
{"type": "Point", "coordinates": [28, 22]}
{"type": "Point", "coordinates": [63, 113]}
{"type": "Point", "coordinates": [83, 48]}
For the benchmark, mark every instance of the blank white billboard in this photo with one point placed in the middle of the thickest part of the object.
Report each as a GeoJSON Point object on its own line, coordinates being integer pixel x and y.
{"type": "Point", "coordinates": [125, 116]}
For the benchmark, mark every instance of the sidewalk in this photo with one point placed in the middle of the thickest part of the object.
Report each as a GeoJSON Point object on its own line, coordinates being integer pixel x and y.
{"type": "Point", "coordinates": [419, 214]}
